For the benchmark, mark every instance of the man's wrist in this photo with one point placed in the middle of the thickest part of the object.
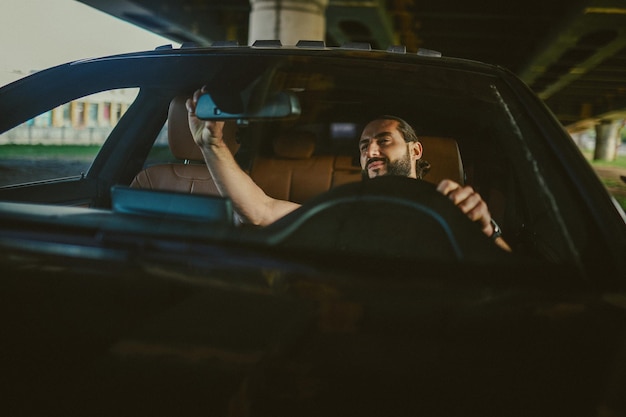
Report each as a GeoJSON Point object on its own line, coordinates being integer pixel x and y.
{"type": "Point", "coordinates": [213, 142]}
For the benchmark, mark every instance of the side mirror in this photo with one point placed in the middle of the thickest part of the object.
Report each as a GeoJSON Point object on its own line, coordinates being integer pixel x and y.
{"type": "Point", "coordinates": [276, 106]}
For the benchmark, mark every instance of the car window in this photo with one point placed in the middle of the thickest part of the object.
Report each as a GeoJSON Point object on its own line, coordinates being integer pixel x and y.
{"type": "Point", "coordinates": [63, 141]}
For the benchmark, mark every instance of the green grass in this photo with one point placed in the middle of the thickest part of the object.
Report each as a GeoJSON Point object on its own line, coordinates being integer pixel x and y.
{"type": "Point", "coordinates": [615, 186]}
{"type": "Point", "coordinates": [158, 153]}
{"type": "Point", "coordinates": [610, 182]}
{"type": "Point", "coordinates": [48, 152]}
{"type": "Point", "coordinates": [619, 162]}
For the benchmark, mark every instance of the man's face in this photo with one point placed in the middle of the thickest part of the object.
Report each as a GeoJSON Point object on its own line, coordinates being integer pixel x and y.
{"type": "Point", "coordinates": [384, 151]}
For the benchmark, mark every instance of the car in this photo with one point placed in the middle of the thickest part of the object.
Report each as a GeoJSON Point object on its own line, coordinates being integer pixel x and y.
{"type": "Point", "coordinates": [130, 286]}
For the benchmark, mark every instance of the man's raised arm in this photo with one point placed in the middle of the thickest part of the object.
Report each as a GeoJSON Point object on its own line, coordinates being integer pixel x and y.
{"type": "Point", "coordinates": [249, 200]}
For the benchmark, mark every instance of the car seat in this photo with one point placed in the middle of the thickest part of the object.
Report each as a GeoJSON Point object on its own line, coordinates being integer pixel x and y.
{"type": "Point", "coordinates": [293, 172]}
{"type": "Point", "coordinates": [444, 157]}
{"type": "Point", "coordinates": [191, 175]}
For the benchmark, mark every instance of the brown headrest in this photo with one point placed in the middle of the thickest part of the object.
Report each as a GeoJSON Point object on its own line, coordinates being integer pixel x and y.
{"type": "Point", "coordinates": [444, 157]}
{"type": "Point", "coordinates": [179, 136]}
{"type": "Point", "coordinates": [294, 145]}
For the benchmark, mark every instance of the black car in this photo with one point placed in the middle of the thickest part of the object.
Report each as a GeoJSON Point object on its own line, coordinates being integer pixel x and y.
{"type": "Point", "coordinates": [129, 286]}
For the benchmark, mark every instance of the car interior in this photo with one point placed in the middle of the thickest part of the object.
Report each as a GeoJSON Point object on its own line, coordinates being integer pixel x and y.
{"type": "Point", "coordinates": [292, 171]}
{"type": "Point", "coordinates": [293, 163]}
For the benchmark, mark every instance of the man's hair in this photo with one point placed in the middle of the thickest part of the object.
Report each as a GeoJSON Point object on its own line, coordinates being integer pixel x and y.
{"type": "Point", "coordinates": [408, 133]}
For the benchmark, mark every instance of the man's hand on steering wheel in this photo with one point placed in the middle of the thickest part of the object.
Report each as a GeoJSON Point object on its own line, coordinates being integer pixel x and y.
{"type": "Point", "coordinates": [472, 205]}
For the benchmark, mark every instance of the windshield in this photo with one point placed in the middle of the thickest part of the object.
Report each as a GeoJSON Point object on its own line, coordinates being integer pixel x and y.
{"type": "Point", "coordinates": [497, 147]}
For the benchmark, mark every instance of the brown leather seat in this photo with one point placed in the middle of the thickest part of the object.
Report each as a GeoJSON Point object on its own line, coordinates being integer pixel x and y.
{"type": "Point", "coordinates": [445, 159]}
{"type": "Point", "coordinates": [191, 176]}
{"type": "Point", "coordinates": [294, 173]}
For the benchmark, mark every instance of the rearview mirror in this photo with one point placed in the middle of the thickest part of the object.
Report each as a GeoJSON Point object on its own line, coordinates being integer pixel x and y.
{"type": "Point", "coordinates": [279, 105]}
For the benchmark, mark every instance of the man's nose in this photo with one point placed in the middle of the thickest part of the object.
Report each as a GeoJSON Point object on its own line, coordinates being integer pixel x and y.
{"type": "Point", "coordinates": [373, 150]}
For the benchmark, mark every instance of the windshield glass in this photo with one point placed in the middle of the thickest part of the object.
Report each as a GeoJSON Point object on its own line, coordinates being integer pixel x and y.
{"type": "Point", "coordinates": [470, 122]}
{"type": "Point", "coordinates": [502, 155]}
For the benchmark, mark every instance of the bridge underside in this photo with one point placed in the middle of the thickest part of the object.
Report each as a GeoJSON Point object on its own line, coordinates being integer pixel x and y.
{"type": "Point", "coordinates": [572, 53]}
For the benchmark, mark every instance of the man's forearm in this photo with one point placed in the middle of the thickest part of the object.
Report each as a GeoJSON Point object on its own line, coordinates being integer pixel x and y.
{"type": "Point", "coordinates": [249, 200]}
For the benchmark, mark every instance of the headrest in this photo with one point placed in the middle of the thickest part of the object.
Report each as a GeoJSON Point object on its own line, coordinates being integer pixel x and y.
{"type": "Point", "coordinates": [444, 157]}
{"type": "Point", "coordinates": [179, 136]}
{"type": "Point", "coordinates": [294, 145]}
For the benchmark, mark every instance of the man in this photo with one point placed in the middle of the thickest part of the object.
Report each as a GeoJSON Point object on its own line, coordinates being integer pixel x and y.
{"type": "Point", "coordinates": [388, 146]}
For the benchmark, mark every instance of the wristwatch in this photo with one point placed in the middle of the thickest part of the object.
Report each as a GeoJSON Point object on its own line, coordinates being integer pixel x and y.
{"type": "Point", "coordinates": [497, 232]}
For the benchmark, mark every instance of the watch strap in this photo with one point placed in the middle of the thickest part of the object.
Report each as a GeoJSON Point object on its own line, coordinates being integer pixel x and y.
{"type": "Point", "coordinates": [497, 232]}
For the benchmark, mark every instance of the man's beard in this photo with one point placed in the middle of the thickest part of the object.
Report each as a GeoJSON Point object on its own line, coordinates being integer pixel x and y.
{"type": "Point", "coordinates": [400, 167]}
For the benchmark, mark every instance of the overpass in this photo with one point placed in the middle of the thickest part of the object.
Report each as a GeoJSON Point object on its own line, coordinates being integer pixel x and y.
{"type": "Point", "coordinates": [572, 53]}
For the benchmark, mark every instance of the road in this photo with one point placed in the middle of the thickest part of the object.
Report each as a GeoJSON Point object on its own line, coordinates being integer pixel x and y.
{"type": "Point", "coordinates": [19, 170]}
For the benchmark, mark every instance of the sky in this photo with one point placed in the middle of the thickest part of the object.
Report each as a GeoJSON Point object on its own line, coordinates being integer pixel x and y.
{"type": "Point", "coordinates": [37, 34]}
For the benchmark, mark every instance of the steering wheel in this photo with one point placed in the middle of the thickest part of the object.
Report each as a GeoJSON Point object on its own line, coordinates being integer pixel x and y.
{"type": "Point", "coordinates": [388, 216]}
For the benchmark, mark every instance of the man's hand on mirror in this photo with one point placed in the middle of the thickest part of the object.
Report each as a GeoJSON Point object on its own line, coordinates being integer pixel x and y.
{"type": "Point", "coordinates": [205, 133]}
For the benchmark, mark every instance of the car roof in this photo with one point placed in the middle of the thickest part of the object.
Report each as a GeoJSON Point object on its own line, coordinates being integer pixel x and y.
{"type": "Point", "coordinates": [69, 81]}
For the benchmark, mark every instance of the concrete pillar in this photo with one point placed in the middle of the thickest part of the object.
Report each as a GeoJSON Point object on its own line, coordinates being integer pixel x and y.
{"type": "Point", "coordinates": [86, 110]}
{"type": "Point", "coordinates": [76, 113]}
{"type": "Point", "coordinates": [607, 139]}
{"type": "Point", "coordinates": [102, 114]}
{"type": "Point", "coordinates": [287, 20]}
{"type": "Point", "coordinates": [114, 113]}
{"type": "Point", "coordinates": [57, 117]}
